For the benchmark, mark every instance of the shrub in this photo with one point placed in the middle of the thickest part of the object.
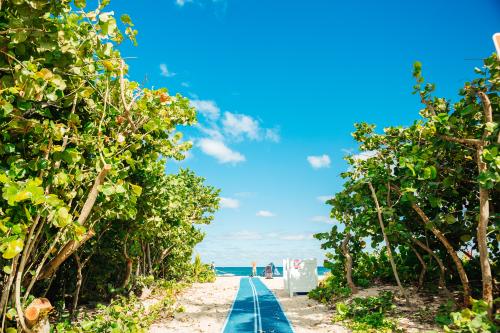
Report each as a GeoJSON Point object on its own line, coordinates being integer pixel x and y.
{"type": "Point", "coordinates": [331, 288]}
{"type": "Point", "coordinates": [367, 314]}
{"type": "Point", "coordinates": [474, 320]}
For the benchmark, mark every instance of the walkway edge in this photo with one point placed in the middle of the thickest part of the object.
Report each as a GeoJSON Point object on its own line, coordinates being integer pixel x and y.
{"type": "Point", "coordinates": [231, 309]}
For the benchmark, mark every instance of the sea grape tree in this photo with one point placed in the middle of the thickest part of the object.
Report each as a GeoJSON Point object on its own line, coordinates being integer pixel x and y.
{"type": "Point", "coordinates": [81, 145]}
{"type": "Point", "coordinates": [436, 183]}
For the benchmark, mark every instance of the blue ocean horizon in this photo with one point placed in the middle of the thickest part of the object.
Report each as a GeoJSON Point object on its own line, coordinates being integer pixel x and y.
{"type": "Point", "coordinates": [247, 271]}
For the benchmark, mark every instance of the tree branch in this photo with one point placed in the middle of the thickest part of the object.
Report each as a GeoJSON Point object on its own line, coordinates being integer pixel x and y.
{"type": "Point", "coordinates": [64, 254]}
{"type": "Point", "coordinates": [126, 106]}
{"type": "Point", "coordinates": [73, 245]}
{"type": "Point", "coordinates": [91, 198]}
{"type": "Point", "coordinates": [467, 142]}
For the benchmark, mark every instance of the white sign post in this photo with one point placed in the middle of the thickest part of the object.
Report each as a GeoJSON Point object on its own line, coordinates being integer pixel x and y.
{"type": "Point", "coordinates": [496, 41]}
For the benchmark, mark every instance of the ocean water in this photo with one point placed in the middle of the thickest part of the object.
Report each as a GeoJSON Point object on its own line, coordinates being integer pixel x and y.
{"type": "Point", "coordinates": [246, 271]}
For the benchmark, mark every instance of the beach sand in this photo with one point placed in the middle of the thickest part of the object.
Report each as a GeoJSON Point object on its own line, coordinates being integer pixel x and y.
{"type": "Point", "coordinates": [207, 305]}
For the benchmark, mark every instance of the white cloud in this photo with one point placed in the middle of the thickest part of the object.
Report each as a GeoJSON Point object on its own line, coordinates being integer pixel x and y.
{"type": "Point", "coordinates": [213, 132]}
{"type": "Point", "coordinates": [207, 108]}
{"type": "Point", "coordinates": [220, 151]}
{"type": "Point", "coordinates": [185, 84]}
{"type": "Point", "coordinates": [165, 72]}
{"type": "Point", "coordinates": [324, 198]}
{"type": "Point", "coordinates": [272, 135]}
{"type": "Point", "coordinates": [218, 131]}
{"type": "Point", "coordinates": [323, 219]}
{"type": "Point", "coordinates": [297, 237]}
{"type": "Point", "coordinates": [363, 156]}
{"type": "Point", "coordinates": [243, 235]}
{"type": "Point", "coordinates": [318, 162]}
{"type": "Point", "coordinates": [229, 203]}
{"type": "Point", "coordinates": [181, 3]}
{"type": "Point", "coordinates": [239, 125]}
{"type": "Point", "coordinates": [265, 213]}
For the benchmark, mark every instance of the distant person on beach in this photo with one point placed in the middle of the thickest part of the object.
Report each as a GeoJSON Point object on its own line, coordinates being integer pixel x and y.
{"type": "Point", "coordinates": [254, 268]}
{"type": "Point", "coordinates": [268, 272]}
{"type": "Point", "coordinates": [212, 266]}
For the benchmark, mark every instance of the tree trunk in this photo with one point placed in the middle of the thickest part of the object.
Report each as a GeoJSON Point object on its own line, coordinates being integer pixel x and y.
{"type": "Point", "coordinates": [484, 208]}
{"type": "Point", "coordinates": [482, 241]}
{"type": "Point", "coordinates": [6, 290]}
{"type": "Point", "coordinates": [50, 268]}
{"type": "Point", "coordinates": [144, 266]}
{"type": "Point", "coordinates": [348, 263]}
{"type": "Point", "coordinates": [387, 244]}
{"type": "Point", "coordinates": [163, 255]}
{"type": "Point", "coordinates": [138, 269]}
{"type": "Point", "coordinates": [148, 255]}
{"type": "Point", "coordinates": [128, 267]}
{"type": "Point", "coordinates": [73, 245]}
{"type": "Point", "coordinates": [78, 285]}
{"type": "Point", "coordinates": [424, 268]}
{"type": "Point", "coordinates": [442, 238]}
{"type": "Point", "coordinates": [92, 196]}
{"type": "Point", "coordinates": [37, 315]}
{"type": "Point", "coordinates": [442, 269]}
{"type": "Point", "coordinates": [458, 263]}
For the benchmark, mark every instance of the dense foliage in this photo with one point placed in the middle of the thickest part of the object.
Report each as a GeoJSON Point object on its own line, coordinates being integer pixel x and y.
{"type": "Point", "coordinates": [124, 314]}
{"type": "Point", "coordinates": [86, 203]}
{"type": "Point", "coordinates": [367, 314]}
{"type": "Point", "coordinates": [420, 203]}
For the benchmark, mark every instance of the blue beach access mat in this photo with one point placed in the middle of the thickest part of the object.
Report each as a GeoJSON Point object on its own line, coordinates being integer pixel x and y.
{"type": "Point", "coordinates": [256, 310]}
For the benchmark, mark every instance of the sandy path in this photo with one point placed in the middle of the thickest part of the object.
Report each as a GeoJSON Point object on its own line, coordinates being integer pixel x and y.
{"type": "Point", "coordinates": [207, 305]}
{"type": "Point", "coordinates": [306, 315]}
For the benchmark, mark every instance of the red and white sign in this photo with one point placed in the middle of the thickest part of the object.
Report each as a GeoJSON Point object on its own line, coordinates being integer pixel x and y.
{"type": "Point", "coordinates": [496, 41]}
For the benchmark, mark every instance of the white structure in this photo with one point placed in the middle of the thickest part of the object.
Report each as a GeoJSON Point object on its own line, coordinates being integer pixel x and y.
{"type": "Point", "coordinates": [300, 275]}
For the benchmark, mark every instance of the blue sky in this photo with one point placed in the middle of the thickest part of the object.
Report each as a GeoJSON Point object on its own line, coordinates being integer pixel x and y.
{"type": "Point", "coordinates": [279, 84]}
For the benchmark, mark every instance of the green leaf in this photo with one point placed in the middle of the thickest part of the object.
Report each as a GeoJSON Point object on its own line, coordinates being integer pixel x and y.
{"type": "Point", "coordinates": [80, 3]}
{"type": "Point", "coordinates": [11, 314]}
{"type": "Point", "coordinates": [342, 308]}
{"type": "Point", "coordinates": [71, 155]}
{"type": "Point", "coordinates": [490, 154]}
{"type": "Point", "coordinates": [13, 248]}
{"type": "Point", "coordinates": [120, 189]}
{"type": "Point", "coordinates": [487, 179]}
{"type": "Point", "coordinates": [126, 19]}
{"type": "Point", "coordinates": [17, 229]}
{"type": "Point", "coordinates": [7, 108]}
{"type": "Point", "coordinates": [7, 269]}
{"type": "Point", "coordinates": [107, 189]}
{"type": "Point", "coordinates": [433, 172]}
{"type": "Point", "coordinates": [63, 217]}
{"type": "Point", "coordinates": [491, 126]}
{"type": "Point", "coordinates": [136, 189]}
{"type": "Point", "coordinates": [450, 219]}
{"type": "Point", "coordinates": [19, 37]}
{"type": "Point", "coordinates": [466, 238]}
{"type": "Point", "coordinates": [410, 166]}
{"type": "Point", "coordinates": [58, 82]}
{"type": "Point", "coordinates": [4, 178]}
